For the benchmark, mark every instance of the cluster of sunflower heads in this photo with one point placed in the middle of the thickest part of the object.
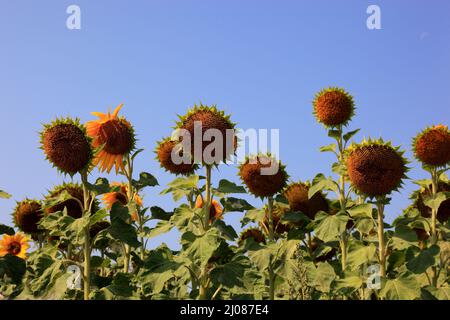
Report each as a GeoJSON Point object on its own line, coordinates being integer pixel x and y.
{"type": "Point", "coordinates": [204, 135]}
{"type": "Point", "coordinates": [74, 148]}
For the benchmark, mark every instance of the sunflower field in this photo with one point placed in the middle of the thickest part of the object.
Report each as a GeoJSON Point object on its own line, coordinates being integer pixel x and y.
{"type": "Point", "coordinates": [325, 238]}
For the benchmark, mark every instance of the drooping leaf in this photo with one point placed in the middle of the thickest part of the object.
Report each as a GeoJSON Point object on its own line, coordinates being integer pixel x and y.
{"type": "Point", "coordinates": [145, 180]}
{"type": "Point", "coordinates": [101, 186]}
{"type": "Point", "coordinates": [253, 215]}
{"type": "Point", "coordinates": [160, 228]}
{"type": "Point", "coordinates": [324, 276]}
{"type": "Point", "coordinates": [359, 254]}
{"type": "Point", "coordinates": [4, 195]}
{"type": "Point", "coordinates": [160, 214]}
{"type": "Point", "coordinates": [404, 287]}
{"type": "Point", "coordinates": [231, 273]}
{"type": "Point", "coordinates": [201, 248]}
{"type": "Point", "coordinates": [329, 148]}
{"type": "Point", "coordinates": [226, 230]}
{"type": "Point", "coordinates": [121, 229]}
{"type": "Point", "coordinates": [435, 202]}
{"type": "Point", "coordinates": [231, 204]}
{"type": "Point", "coordinates": [420, 260]}
{"type": "Point", "coordinates": [350, 134]}
{"type": "Point", "coordinates": [329, 227]}
{"type": "Point", "coordinates": [4, 229]}
{"type": "Point", "coordinates": [322, 184]}
{"type": "Point", "coordinates": [13, 267]}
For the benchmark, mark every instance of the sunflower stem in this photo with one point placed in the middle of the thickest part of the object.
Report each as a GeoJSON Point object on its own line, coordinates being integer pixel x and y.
{"type": "Point", "coordinates": [381, 244]}
{"type": "Point", "coordinates": [272, 240]}
{"type": "Point", "coordinates": [434, 234]}
{"type": "Point", "coordinates": [342, 200]}
{"type": "Point", "coordinates": [87, 240]}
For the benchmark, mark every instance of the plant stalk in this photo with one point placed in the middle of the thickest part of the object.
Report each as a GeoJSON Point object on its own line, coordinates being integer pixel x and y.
{"type": "Point", "coordinates": [272, 240]}
{"type": "Point", "coordinates": [87, 241]}
{"type": "Point", "coordinates": [381, 244]}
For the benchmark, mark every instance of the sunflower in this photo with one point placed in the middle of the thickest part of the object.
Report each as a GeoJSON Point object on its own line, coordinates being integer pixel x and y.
{"type": "Point", "coordinates": [72, 206]}
{"type": "Point", "coordinates": [375, 168]}
{"type": "Point", "coordinates": [16, 245]}
{"type": "Point", "coordinates": [27, 215]}
{"type": "Point", "coordinates": [259, 184]}
{"type": "Point", "coordinates": [121, 196]}
{"type": "Point", "coordinates": [164, 151]}
{"type": "Point", "coordinates": [432, 146]}
{"type": "Point", "coordinates": [254, 233]}
{"type": "Point", "coordinates": [209, 118]}
{"type": "Point", "coordinates": [114, 136]}
{"type": "Point", "coordinates": [215, 211]}
{"type": "Point", "coordinates": [297, 196]}
{"type": "Point", "coordinates": [333, 107]}
{"type": "Point", "coordinates": [66, 145]}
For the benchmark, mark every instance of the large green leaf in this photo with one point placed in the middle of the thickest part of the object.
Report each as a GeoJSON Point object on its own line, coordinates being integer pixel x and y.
{"type": "Point", "coordinates": [322, 184]}
{"type": "Point", "coordinates": [183, 215]}
{"type": "Point", "coordinates": [231, 274]}
{"type": "Point", "coordinates": [145, 180]}
{"type": "Point", "coordinates": [347, 136]}
{"type": "Point", "coordinates": [226, 186]}
{"type": "Point", "coordinates": [253, 215]}
{"type": "Point", "coordinates": [120, 228]}
{"type": "Point", "coordinates": [325, 275]}
{"type": "Point", "coordinates": [404, 287]}
{"type": "Point", "coordinates": [201, 248]}
{"type": "Point", "coordinates": [441, 293]}
{"type": "Point", "coordinates": [101, 186]}
{"type": "Point", "coordinates": [159, 214]}
{"type": "Point", "coordinates": [226, 230]}
{"type": "Point", "coordinates": [359, 254]}
{"type": "Point", "coordinates": [362, 210]}
{"type": "Point", "coordinates": [13, 267]}
{"type": "Point", "coordinates": [329, 227]}
{"type": "Point", "coordinates": [434, 202]}
{"type": "Point", "coordinates": [420, 260]}
{"type": "Point", "coordinates": [404, 237]}
{"type": "Point", "coordinates": [160, 228]}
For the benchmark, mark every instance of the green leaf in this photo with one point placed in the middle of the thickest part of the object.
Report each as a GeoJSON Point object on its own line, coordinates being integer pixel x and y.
{"type": "Point", "coordinates": [404, 237]}
{"type": "Point", "coordinates": [435, 202]}
{"type": "Point", "coordinates": [226, 186]}
{"type": "Point", "coordinates": [404, 287]}
{"type": "Point", "coordinates": [441, 293]}
{"type": "Point", "coordinates": [332, 133]}
{"type": "Point", "coordinates": [419, 263]}
{"type": "Point", "coordinates": [13, 267]}
{"type": "Point", "coordinates": [120, 228]}
{"type": "Point", "coordinates": [159, 214]}
{"type": "Point", "coordinates": [323, 184]}
{"type": "Point", "coordinates": [160, 228]}
{"type": "Point", "coordinates": [183, 215]}
{"type": "Point", "coordinates": [101, 186]}
{"type": "Point", "coordinates": [145, 180]}
{"type": "Point", "coordinates": [4, 195]}
{"type": "Point", "coordinates": [339, 168]}
{"type": "Point", "coordinates": [262, 257]}
{"type": "Point", "coordinates": [324, 276]}
{"type": "Point", "coordinates": [331, 226]}
{"type": "Point", "coordinates": [226, 230]}
{"type": "Point", "coordinates": [350, 134]}
{"type": "Point", "coordinates": [4, 229]}
{"type": "Point", "coordinates": [235, 205]}
{"type": "Point", "coordinates": [359, 254]}
{"type": "Point", "coordinates": [231, 274]}
{"type": "Point", "coordinates": [201, 248]}
{"type": "Point", "coordinates": [328, 148]}
{"type": "Point", "coordinates": [181, 187]}
{"type": "Point", "coordinates": [362, 210]}
{"type": "Point", "coordinates": [253, 215]}
{"type": "Point", "coordinates": [348, 282]}
{"type": "Point", "coordinates": [364, 225]}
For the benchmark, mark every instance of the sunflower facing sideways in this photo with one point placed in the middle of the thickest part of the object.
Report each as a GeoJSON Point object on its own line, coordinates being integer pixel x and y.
{"type": "Point", "coordinates": [16, 245]}
{"type": "Point", "coordinates": [114, 138]}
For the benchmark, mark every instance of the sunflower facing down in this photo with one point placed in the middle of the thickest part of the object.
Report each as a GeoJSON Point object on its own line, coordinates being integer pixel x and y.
{"type": "Point", "coordinates": [114, 136]}
{"type": "Point", "coordinates": [121, 196]}
{"type": "Point", "coordinates": [16, 245]}
{"type": "Point", "coordinates": [215, 211]}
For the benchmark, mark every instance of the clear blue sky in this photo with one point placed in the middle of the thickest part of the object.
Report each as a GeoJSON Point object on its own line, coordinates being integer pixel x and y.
{"type": "Point", "coordinates": [261, 61]}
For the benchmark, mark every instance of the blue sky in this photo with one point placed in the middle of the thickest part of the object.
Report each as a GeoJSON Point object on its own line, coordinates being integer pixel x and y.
{"type": "Point", "coordinates": [261, 61]}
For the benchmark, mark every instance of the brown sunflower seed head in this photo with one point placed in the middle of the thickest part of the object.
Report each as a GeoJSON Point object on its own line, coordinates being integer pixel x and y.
{"type": "Point", "coordinates": [256, 234]}
{"type": "Point", "coordinates": [210, 118]}
{"type": "Point", "coordinates": [375, 168]}
{"type": "Point", "coordinates": [27, 215]}
{"type": "Point", "coordinates": [67, 146]}
{"type": "Point", "coordinates": [164, 151]}
{"type": "Point", "coordinates": [333, 107]}
{"type": "Point", "coordinates": [432, 146]}
{"type": "Point", "coordinates": [262, 185]}
{"type": "Point", "coordinates": [71, 205]}
{"type": "Point", "coordinates": [297, 196]}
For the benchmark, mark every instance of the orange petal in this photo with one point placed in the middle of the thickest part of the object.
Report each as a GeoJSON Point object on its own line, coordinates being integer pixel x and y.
{"type": "Point", "coordinates": [116, 111]}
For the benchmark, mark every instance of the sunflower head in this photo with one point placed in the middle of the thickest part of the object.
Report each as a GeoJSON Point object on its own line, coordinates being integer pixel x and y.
{"type": "Point", "coordinates": [256, 234]}
{"type": "Point", "coordinates": [333, 107]}
{"type": "Point", "coordinates": [263, 175]}
{"type": "Point", "coordinates": [210, 118]}
{"type": "Point", "coordinates": [27, 215]}
{"type": "Point", "coordinates": [443, 213]}
{"type": "Point", "coordinates": [67, 146]}
{"type": "Point", "coordinates": [16, 245]}
{"type": "Point", "coordinates": [432, 146]}
{"type": "Point", "coordinates": [164, 151]}
{"type": "Point", "coordinates": [297, 196]}
{"type": "Point", "coordinates": [121, 196]}
{"type": "Point", "coordinates": [113, 137]}
{"type": "Point", "coordinates": [72, 206]}
{"type": "Point", "coordinates": [375, 168]}
{"type": "Point", "coordinates": [215, 211]}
